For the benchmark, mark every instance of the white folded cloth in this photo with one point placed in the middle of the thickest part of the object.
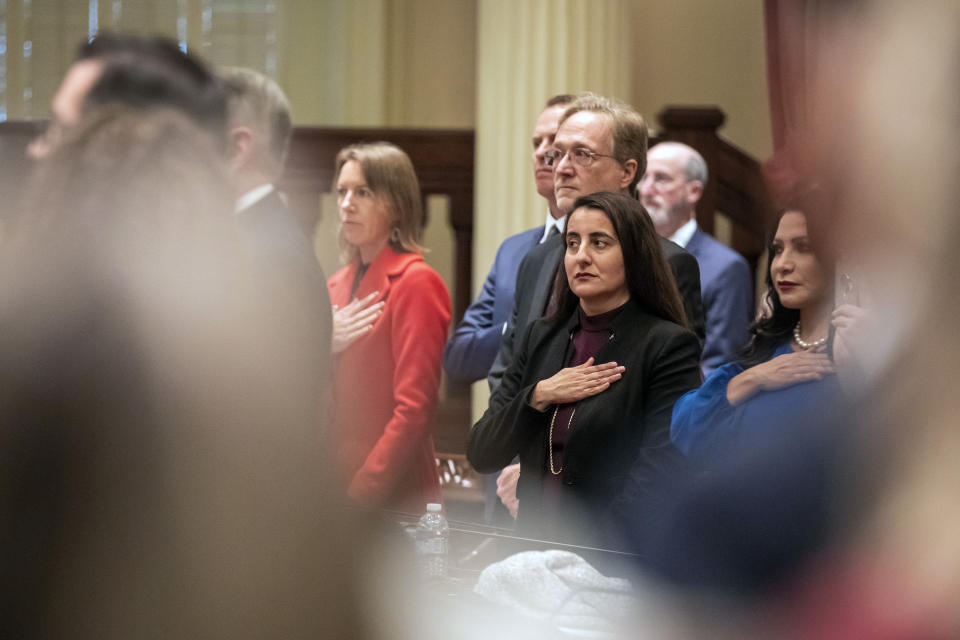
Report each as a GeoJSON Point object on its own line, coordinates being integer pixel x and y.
{"type": "Point", "coordinates": [559, 586]}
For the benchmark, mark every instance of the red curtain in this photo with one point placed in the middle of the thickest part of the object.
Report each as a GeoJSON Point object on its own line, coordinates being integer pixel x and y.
{"type": "Point", "coordinates": [791, 34]}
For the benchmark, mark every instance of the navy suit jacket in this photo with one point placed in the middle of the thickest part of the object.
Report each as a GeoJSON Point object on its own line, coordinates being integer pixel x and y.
{"type": "Point", "coordinates": [727, 291]}
{"type": "Point", "coordinates": [472, 348]}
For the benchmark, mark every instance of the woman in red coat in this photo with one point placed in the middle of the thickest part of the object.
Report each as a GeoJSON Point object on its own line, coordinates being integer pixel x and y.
{"type": "Point", "coordinates": [391, 314]}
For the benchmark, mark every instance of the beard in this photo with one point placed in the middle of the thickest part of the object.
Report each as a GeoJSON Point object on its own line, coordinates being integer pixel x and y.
{"type": "Point", "coordinates": [660, 215]}
{"type": "Point", "coordinates": [668, 218]}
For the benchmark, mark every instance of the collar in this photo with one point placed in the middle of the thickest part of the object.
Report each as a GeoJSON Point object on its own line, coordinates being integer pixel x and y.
{"type": "Point", "coordinates": [377, 278]}
{"type": "Point", "coordinates": [682, 235]}
{"type": "Point", "coordinates": [629, 314]}
{"type": "Point", "coordinates": [252, 197]}
{"type": "Point", "coordinates": [550, 223]}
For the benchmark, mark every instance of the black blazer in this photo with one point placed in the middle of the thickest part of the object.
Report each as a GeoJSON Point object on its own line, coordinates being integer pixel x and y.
{"type": "Point", "coordinates": [619, 445]}
{"type": "Point", "coordinates": [534, 283]}
{"type": "Point", "coordinates": [271, 232]}
{"type": "Point", "coordinates": [285, 256]}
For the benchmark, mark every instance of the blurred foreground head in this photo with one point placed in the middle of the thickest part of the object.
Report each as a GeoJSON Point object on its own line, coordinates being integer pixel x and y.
{"type": "Point", "coordinates": [882, 559]}
{"type": "Point", "coordinates": [121, 173]}
{"type": "Point", "coordinates": [894, 171]}
{"type": "Point", "coordinates": [142, 73]}
{"type": "Point", "coordinates": [159, 470]}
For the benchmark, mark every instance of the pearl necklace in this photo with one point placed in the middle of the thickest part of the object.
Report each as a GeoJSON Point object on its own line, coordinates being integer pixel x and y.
{"type": "Point", "coordinates": [807, 345]}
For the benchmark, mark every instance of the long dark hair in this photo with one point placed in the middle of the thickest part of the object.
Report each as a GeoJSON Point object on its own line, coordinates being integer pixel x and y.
{"type": "Point", "coordinates": [649, 278]}
{"type": "Point", "coordinates": [776, 322]}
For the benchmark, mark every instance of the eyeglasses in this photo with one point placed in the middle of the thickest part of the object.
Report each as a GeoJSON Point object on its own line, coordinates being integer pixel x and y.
{"type": "Point", "coordinates": [580, 156]}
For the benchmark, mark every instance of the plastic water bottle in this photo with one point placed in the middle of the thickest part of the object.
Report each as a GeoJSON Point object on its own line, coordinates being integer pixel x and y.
{"type": "Point", "coordinates": [432, 540]}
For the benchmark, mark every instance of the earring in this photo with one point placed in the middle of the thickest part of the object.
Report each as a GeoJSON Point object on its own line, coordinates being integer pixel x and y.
{"type": "Point", "coordinates": [395, 235]}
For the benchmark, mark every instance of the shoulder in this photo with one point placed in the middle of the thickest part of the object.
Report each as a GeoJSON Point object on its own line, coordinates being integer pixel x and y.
{"type": "Point", "coordinates": [418, 279]}
{"type": "Point", "coordinates": [524, 239]}
{"type": "Point", "coordinates": [703, 244]}
{"type": "Point", "coordinates": [670, 335]}
{"type": "Point", "coordinates": [516, 247]}
{"type": "Point", "coordinates": [416, 271]}
{"type": "Point", "coordinates": [653, 334]}
{"type": "Point", "coordinates": [677, 255]}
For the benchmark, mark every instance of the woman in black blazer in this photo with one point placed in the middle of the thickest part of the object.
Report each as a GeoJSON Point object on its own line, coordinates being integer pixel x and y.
{"type": "Point", "coordinates": [586, 404]}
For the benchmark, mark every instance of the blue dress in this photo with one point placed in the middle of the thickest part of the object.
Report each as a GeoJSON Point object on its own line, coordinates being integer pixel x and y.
{"type": "Point", "coordinates": [705, 424]}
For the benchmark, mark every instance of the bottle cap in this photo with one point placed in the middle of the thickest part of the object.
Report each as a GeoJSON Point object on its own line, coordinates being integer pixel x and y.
{"type": "Point", "coordinates": [434, 507]}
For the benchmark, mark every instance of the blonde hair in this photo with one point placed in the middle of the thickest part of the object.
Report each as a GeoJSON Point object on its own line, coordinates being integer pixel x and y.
{"type": "Point", "coordinates": [390, 176]}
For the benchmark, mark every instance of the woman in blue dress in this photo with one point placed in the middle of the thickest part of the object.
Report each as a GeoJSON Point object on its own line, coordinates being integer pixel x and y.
{"type": "Point", "coordinates": [784, 371]}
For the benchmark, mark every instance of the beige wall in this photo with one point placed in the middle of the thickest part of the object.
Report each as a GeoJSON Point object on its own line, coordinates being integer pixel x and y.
{"type": "Point", "coordinates": [379, 63]}
{"type": "Point", "coordinates": [431, 64]}
{"type": "Point", "coordinates": [413, 63]}
{"type": "Point", "coordinates": [704, 52]}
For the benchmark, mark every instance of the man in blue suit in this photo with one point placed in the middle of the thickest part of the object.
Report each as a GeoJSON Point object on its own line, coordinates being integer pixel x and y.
{"type": "Point", "coordinates": [473, 346]}
{"type": "Point", "coordinates": [670, 189]}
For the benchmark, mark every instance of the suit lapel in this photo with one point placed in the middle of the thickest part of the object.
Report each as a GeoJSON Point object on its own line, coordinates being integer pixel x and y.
{"type": "Point", "coordinates": [630, 325]}
{"type": "Point", "coordinates": [544, 285]}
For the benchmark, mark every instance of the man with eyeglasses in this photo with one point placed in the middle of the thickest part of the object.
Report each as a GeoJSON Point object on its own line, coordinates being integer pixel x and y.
{"type": "Point", "coordinates": [473, 346]}
{"type": "Point", "coordinates": [601, 145]}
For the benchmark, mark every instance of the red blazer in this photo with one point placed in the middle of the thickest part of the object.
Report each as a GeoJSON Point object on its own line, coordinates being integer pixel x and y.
{"type": "Point", "coordinates": [386, 383]}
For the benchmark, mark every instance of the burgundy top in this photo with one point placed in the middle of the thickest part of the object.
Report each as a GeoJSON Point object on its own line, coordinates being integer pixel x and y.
{"type": "Point", "coordinates": [587, 338]}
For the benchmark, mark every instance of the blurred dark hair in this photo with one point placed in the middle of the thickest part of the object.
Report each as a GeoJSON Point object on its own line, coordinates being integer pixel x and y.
{"type": "Point", "coordinates": [776, 321]}
{"type": "Point", "coordinates": [152, 72]}
{"type": "Point", "coordinates": [649, 278]}
{"type": "Point", "coordinates": [120, 169]}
